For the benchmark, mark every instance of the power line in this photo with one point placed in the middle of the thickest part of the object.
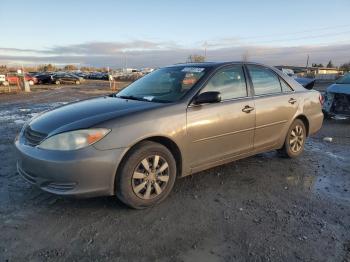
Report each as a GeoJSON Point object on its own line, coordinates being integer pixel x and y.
{"type": "Point", "coordinates": [285, 37]}
{"type": "Point", "coordinates": [293, 33]}
{"type": "Point", "coordinates": [296, 52]}
{"type": "Point", "coordinates": [305, 37]}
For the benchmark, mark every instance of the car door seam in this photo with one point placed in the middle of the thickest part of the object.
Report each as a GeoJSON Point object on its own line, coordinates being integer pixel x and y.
{"type": "Point", "coordinates": [271, 124]}
{"type": "Point", "coordinates": [221, 135]}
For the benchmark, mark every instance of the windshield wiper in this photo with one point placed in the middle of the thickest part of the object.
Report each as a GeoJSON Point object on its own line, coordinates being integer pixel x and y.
{"type": "Point", "coordinates": [153, 100]}
{"type": "Point", "coordinates": [133, 98]}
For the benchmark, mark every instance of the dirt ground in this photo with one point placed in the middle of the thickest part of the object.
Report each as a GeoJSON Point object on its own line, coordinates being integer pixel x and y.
{"type": "Point", "coordinates": [263, 208]}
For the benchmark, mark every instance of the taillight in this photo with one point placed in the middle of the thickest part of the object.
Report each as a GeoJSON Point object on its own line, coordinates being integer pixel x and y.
{"type": "Point", "coordinates": [321, 98]}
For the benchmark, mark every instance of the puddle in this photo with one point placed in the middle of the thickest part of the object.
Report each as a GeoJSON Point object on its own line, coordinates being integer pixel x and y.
{"type": "Point", "coordinates": [324, 149]}
{"type": "Point", "coordinates": [19, 116]}
{"type": "Point", "coordinates": [330, 180]}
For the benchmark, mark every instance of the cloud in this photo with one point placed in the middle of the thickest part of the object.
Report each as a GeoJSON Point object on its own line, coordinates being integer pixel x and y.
{"type": "Point", "coordinates": [140, 53]}
{"type": "Point", "coordinates": [96, 48]}
{"type": "Point", "coordinates": [7, 49]}
{"type": "Point", "coordinates": [110, 48]}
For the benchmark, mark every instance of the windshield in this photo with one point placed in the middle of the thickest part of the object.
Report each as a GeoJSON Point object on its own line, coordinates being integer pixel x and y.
{"type": "Point", "coordinates": [164, 85]}
{"type": "Point", "coordinates": [344, 80]}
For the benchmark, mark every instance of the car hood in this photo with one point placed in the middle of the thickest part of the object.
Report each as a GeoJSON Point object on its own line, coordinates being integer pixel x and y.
{"type": "Point", "coordinates": [339, 88]}
{"type": "Point", "coordinates": [87, 113]}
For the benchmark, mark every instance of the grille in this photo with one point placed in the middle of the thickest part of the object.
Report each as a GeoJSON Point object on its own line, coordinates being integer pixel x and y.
{"type": "Point", "coordinates": [27, 176]}
{"type": "Point", "coordinates": [33, 138]}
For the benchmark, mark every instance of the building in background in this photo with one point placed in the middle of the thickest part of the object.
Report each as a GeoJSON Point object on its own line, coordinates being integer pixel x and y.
{"type": "Point", "coordinates": [319, 73]}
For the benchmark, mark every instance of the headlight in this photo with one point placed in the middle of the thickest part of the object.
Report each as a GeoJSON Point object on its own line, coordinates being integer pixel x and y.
{"type": "Point", "coordinates": [74, 139]}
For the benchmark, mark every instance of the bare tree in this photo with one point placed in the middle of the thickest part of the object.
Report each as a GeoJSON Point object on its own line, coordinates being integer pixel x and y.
{"type": "Point", "coordinates": [330, 64]}
{"type": "Point", "coordinates": [3, 69]}
{"type": "Point", "coordinates": [345, 67]}
{"type": "Point", "coordinates": [196, 58]}
{"type": "Point", "coordinates": [70, 68]}
{"type": "Point", "coordinates": [47, 68]}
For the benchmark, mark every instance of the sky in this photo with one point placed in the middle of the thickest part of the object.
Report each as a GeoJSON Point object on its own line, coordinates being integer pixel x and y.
{"type": "Point", "coordinates": [155, 33]}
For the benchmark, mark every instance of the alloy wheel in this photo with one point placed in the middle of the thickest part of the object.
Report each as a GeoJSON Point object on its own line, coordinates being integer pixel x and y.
{"type": "Point", "coordinates": [150, 177]}
{"type": "Point", "coordinates": [296, 138]}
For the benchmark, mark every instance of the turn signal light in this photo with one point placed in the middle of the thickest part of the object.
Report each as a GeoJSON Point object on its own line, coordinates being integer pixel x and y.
{"type": "Point", "coordinates": [321, 98]}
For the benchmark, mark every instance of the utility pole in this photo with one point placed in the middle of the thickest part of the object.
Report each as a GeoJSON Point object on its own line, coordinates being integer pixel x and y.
{"type": "Point", "coordinates": [25, 82]}
{"type": "Point", "coordinates": [307, 64]}
{"type": "Point", "coordinates": [125, 61]}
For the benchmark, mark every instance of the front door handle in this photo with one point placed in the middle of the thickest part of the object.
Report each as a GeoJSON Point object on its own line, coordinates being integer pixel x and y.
{"type": "Point", "coordinates": [247, 109]}
{"type": "Point", "coordinates": [292, 101]}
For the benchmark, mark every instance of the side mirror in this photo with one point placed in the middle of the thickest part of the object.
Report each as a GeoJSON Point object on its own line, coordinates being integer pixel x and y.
{"type": "Point", "coordinates": [207, 97]}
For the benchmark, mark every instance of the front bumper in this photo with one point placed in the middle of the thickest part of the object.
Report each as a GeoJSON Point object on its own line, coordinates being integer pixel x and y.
{"type": "Point", "coordinates": [337, 104]}
{"type": "Point", "coordinates": [83, 172]}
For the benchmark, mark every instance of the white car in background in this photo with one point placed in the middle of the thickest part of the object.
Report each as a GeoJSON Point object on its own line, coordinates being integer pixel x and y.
{"type": "Point", "coordinates": [3, 80]}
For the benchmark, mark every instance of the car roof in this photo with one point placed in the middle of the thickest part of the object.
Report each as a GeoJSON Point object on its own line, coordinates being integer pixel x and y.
{"type": "Point", "coordinates": [217, 64]}
{"type": "Point", "coordinates": [203, 64]}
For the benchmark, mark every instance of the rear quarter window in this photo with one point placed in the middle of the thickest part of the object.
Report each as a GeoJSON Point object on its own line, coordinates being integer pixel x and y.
{"type": "Point", "coordinates": [285, 87]}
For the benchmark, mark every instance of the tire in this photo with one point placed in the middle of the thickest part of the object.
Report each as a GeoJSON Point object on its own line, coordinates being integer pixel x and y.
{"type": "Point", "coordinates": [133, 181]}
{"type": "Point", "coordinates": [296, 132]}
{"type": "Point", "coordinates": [57, 82]}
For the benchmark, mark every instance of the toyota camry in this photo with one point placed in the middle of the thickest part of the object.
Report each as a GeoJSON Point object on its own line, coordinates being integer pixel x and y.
{"type": "Point", "coordinates": [173, 122]}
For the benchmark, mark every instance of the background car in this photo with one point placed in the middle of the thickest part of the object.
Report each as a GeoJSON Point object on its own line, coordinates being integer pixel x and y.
{"type": "Point", "coordinates": [81, 75]}
{"type": "Point", "coordinates": [3, 80]}
{"type": "Point", "coordinates": [14, 79]}
{"type": "Point", "coordinates": [98, 76]}
{"type": "Point", "coordinates": [44, 78]}
{"type": "Point", "coordinates": [337, 98]}
{"type": "Point", "coordinates": [59, 78]}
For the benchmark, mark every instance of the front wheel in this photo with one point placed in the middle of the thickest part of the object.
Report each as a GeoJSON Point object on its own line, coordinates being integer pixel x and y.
{"type": "Point", "coordinates": [147, 175]}
{"type": "Point", "coordinates": [295, 140]}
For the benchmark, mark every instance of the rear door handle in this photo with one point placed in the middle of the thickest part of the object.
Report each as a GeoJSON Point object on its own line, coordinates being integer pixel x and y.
{"type": "Point", "coordinates": [292, 101]}
{"type": "Point", "coordinates": [247, 109]}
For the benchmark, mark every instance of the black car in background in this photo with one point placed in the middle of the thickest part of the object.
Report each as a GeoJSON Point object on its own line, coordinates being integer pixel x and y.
{"type": "Point", "coordinates": [44, 78]}
{"type": "Point", "coordinates": [98, 76]}
{"type": "Point", "coordinates": [58, 78]}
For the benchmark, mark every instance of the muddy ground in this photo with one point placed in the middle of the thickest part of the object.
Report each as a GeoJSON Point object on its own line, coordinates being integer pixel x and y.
{"type": "Point", "coordinates": [263, 208]}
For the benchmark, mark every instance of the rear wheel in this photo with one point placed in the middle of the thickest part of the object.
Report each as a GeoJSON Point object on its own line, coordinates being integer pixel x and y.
{"type": "Point", "coordinates": [295, 140]}
{"type": "Point", "coordinates": [147, 175]}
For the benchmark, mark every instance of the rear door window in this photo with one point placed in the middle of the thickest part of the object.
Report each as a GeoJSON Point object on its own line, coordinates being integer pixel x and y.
{"type": "Point", "coordinates": [264, 80]}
